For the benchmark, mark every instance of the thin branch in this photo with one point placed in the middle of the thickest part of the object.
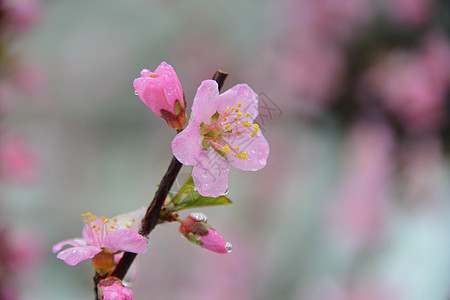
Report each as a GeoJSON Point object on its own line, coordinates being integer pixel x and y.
{"type": "Point", "coordinates": [152, 215]}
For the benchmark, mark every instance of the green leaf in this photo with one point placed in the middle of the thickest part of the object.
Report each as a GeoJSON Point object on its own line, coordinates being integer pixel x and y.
{"type": "Point", "coordinates": [187, 197]}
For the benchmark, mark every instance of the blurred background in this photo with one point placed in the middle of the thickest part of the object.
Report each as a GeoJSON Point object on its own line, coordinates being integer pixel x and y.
{"type": "Point", "coordinates": [355, 104]}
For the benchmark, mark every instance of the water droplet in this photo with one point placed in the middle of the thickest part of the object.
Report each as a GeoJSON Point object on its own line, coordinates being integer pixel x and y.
{"type": "Point", "coordinates": [229, 247]}
{"type": "Point", "coordinates": [199, 217]}
{"type": "Point", "coordinates": [226, 192]}
{"type": "Point", "coordinates": [136, 93]}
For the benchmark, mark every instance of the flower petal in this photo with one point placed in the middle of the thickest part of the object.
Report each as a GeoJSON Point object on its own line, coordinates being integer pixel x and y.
{"type": "Point", "coordinates": [131, 220]}
{"type": "Point", "coordinates": [206, 101]}
{"type": "Point", "coordinates": [210, 174]}
{"type": "Point", "coordinates": [187, 145]}
{"type": "Point", "coordinates": [73, 256]}
{"type": "Point", "coordinates": [93, 237]}
{"type": "Point", "coordinates": [213, 242]}
{"type": "Point", "coordinates": [257, 150]}
{"type": "Point", "coordinates": [125, 240]}
{"type": "Point", "coordinates": [72, 242]}
{"type": "Point", "coordinates": [151, 92]}
{"type": "Point", "coordinates": [240, 93]}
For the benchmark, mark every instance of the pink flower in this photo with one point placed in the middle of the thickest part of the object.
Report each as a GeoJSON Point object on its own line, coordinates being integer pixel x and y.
{"type": "Point", "coordinates": [109, 236]}
{"type": "Point", "coordinates": [17, 160]}
{"type": "Point", "coordinates": [111, 288]}
{"type": "Point", "coordinates": [161, 91]}
{"type": "Point", "coordinates": [221, 131]}
{"type": "Point", "coordinates": [195, 230]}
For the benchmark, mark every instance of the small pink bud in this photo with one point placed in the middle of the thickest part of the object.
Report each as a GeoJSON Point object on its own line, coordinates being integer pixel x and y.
{"type": "Point", "coordinates": [111, 288]}
{"type": "Point", "coordinates": [195, 230]}
{"type": "Point", "coordinates": [161, 91]}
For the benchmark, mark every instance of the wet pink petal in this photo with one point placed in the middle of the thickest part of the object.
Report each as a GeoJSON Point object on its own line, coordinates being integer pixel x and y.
{"type": "Point", "coordinates": [160, 91]}
{"type": "Point", "coordinates": [125, 240]}
{"type": "Point", "coordinates": [210, 174]}
{"type": "Point", "coordinates": [206, 101]}
{"type": "Point", "coordinates": [214, 242]}
{"type": "Point", "coordinates": [73, 256]}
{"type": "Point", "coordinates": [245, 95]}
{"type": "Point", "coordinates": [72, 242]}
{"type": "Point", "coordinates": [187, 145]}
{"type": "Point", "coordinates": [257, 150]}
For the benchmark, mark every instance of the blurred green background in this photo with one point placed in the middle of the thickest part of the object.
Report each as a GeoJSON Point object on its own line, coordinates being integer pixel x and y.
{"type": "Point", "coordinates": [347, 208]}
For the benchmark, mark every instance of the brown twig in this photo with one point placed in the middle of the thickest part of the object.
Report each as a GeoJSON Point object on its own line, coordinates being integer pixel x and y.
{"type": "Point", "coordinates": [152, 215]}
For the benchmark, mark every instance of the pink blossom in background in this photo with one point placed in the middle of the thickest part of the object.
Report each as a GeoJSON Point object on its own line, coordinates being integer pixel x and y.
{"type": "Point", "coordinates": [111, 288]}
{"type": "Point", "coordinates": [410, 12]}
{"type": "Point", "coordinates": [161, 91]}
{"type": "Point", "coordinates": [21, 14]}
{"type": "Point", "coordinates": [311, 69]}
{"type": "Point", "coordinates": [421, 180]}
{"type": "Point", "coordinates": [19, 251]}
{"type": "Point", "coordinates": [18, 162]}
{"type": "Point", "coordinates": [361, 291]}
{"type": "Point", "coordinates": [113, 235]}
{"type": "Point", "coordinates": [220, 132]}
{"type": "Point", "coordinates": [30, 77]}
{"type": "Point", "coordinates": [360, 202]}
{"type": "Point", "coordinates": [6, 97]}
{"type": "Point", "coordinates": [414, 85]}
{"type": "Point", "coordinates": [334, 21]}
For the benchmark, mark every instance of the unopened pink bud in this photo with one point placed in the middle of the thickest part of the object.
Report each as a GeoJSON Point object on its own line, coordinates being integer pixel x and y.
{"type": "Point", "coordinates": [214, 242]}
{"type": "Point", "coordinates": [111, 288]}
{"type": "Point", "coordinates": [161, 91]}
{"type": "Point", "coordinates": [195, 230]}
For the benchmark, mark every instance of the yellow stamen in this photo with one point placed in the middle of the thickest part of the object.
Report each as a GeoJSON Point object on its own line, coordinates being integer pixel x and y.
{"type": "Point", "coordinates": [227, 126]}
{"type": "Point", "coordinates": [226, 148]}
{"type": "Point", "coordinates": [239, 114]}
{"type": "Point", "coordinates": [111, 227]}
{"type": "Point", "coordinates": [236, 110]}
{"type": "Point", "coordinates": [236, 119]}
{"type": "Point", "coordinates": [224, 119]}
{"type": "Point", "coordinates": [114, 220]}
{"type": "Point", "coordinates": [239, 133]}
{"type": "Point", "coordinates": [239, 104]}
{"type": "Point", "coordinates": [237, 148]}
{"type": "Point", "coordinates": [86, 215]}
{"type": "Point", "coordinates": [132, 220]}
{"type": "Point", "coordinates": [247, 124]}
{"type": "Point", "coordinates": [247, 115]}
{"type": "Point", "coordinates": [252, 135]}
{"type": "Point", "coordinates": [127, 226]}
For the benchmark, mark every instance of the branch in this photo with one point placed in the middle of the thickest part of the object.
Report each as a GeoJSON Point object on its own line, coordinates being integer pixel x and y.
{"type": "Point", "coordinates": [152, 215]}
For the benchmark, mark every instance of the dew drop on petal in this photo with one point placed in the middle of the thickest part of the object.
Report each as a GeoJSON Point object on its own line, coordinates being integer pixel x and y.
{"type": "Point", "coordinates": [136, 93]}
{"type": "Point", "coordinates": [226, 192]}
{"type": "Point", "coordinates": [199, 217]}
{"type": "Point", "coordinates": [229, 247]}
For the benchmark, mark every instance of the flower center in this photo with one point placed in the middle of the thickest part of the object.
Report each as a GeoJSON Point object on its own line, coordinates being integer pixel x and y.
{"type": "Point", "coordinates": [230, 123]}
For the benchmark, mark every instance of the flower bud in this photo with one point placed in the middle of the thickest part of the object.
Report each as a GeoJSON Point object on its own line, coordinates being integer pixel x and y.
{"type": "Point", "coordinates": [161, 91]}
{"type": "Point", "coordinates": [111, 288]}
{"type": "Point", "coordinates": [195, 230]}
